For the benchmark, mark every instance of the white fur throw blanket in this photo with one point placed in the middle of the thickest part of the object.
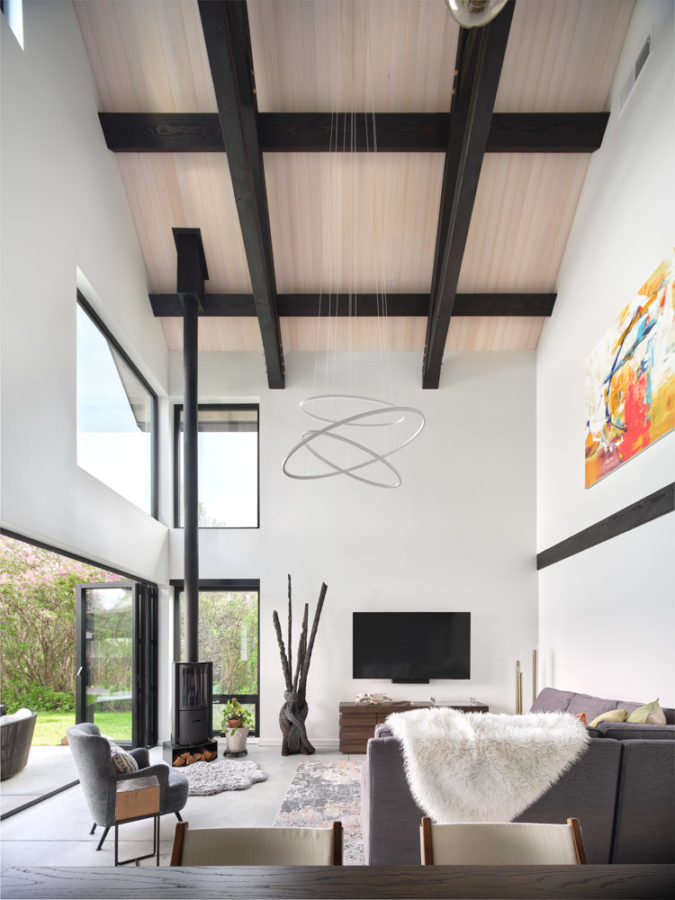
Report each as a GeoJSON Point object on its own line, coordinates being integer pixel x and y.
{"type": "Point", "coordinates": [484, 767]}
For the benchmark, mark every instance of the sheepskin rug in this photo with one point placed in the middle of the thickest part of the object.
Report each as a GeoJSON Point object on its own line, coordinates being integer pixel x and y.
{"type": "Point", "coordinates": [221, 775]}
{"type": "Point", "coordinates": [484, 767]}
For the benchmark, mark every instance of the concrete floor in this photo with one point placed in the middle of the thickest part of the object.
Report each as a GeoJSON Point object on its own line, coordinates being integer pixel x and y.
{"type": "Point", "coordinates": [56, 831]}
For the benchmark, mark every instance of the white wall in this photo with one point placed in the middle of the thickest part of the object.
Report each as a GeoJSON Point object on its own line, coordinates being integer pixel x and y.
{"type": "Point", "coordinates": [607, 615]}
{"type": "Point", "coordinates": [459, 534]}
{"type": "Point", "coordinates": [65, 223]}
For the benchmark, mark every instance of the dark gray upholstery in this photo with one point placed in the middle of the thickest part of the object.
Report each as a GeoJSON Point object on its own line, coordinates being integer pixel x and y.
{"type": "Point", "coordinates": [645, 808]}
{"type": "Point", "coordinates": [551, 699]}
{"type": "Point", "coordinates": [615, 785]}
{"type": "Point", "coordinates": [390, 818]}
{"type": "Point", "coordinates": [15, 741]}
{"type": "Point", "coordinates": [632, 731]}
{"type": "Point", "coordinates": [591, 706]}
{"type": "Point", "coordinates": [98, 776]}
{"type": "Point", "coordinates": [586, 791]}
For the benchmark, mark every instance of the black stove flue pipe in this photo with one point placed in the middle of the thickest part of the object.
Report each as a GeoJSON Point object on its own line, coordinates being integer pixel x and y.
{"type": "Point", "coordinates": [191, 274]}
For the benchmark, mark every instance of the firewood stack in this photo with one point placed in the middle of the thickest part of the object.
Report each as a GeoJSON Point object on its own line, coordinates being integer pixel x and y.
{"type": "Point", "coordinates": [187, 758]}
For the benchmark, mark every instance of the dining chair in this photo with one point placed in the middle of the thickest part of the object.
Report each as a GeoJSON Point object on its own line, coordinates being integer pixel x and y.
{"type": "Point", "coordinates": [501, 843]}
{"type": "Point", "coordinates": [257, 846]}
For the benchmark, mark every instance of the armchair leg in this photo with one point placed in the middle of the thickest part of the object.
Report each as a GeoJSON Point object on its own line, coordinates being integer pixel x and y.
{"type": "Point", "coordinates": [93, 828]}
{"type": "Point", "coordinates": [178, 816]}
{"type": "Point", "coordinates": [105, 834]}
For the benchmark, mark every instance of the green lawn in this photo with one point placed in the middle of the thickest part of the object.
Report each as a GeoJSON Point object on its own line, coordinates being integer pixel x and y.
{"type": "Point", "coordinates": [50, 727]}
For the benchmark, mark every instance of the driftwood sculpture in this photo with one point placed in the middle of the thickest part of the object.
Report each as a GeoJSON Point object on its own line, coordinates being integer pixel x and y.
{"type": "Point", "coordinates": [294, 711]}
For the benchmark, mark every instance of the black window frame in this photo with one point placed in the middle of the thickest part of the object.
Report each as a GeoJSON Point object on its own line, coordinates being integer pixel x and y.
{"type": "Point", "coordinates": [84, 304]}
{"type": "Point", "coordinates": [217, 585]}
{"type": "Point", "coordinates": [146, 650]}
{"type": "Point", "coordinates": [177, 410]}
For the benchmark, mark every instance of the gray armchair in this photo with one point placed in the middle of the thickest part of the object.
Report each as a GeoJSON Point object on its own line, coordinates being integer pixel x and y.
{"type": "Point", "coordinates": [98, 777]}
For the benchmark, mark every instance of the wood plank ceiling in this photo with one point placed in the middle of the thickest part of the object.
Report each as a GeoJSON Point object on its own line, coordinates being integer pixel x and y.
{"type": "Point", "coordinates": [354, 232]}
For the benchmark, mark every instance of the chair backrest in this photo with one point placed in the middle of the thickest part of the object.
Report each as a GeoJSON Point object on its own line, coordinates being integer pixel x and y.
{"type": "Point", "coordinates": [501, 844]}
{"type": "Point", "coordinates": [257, 846]}
{"type": "Point", "coordinates": [93, 760]}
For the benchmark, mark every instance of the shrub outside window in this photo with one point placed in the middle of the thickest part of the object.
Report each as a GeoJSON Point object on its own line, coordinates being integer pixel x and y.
{"type": "Point", "coordinates": [229, 636]}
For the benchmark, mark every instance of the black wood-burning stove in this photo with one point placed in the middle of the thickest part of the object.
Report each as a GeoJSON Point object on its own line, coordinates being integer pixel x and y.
{"type": "Point", "coordinates": [193, 687]}
{"type": "Point", "coordinates": [192, 712]}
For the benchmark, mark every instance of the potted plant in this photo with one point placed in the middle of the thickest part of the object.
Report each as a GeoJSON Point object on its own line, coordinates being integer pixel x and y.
{"type": "Point", "coordinates": [236, 724]}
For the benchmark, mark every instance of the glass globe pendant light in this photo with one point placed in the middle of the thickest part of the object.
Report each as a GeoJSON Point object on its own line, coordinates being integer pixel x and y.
{"type": "Point", "coordinates": [475, 13]}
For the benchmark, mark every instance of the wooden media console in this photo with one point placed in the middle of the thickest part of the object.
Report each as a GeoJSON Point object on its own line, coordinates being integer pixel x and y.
{"type": "Point", "coordinates": [358, 720]}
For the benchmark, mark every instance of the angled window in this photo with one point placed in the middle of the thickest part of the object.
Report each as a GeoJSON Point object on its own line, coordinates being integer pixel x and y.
{"type": "Point", "coordinates": [116, 414]}
{"type": "Point", "coordinates": [13, 10]}
{"type": "Point", "coordinates": [227, 451]}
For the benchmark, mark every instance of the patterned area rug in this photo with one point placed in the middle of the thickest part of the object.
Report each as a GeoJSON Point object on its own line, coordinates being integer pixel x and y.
{"type": "Point", "coordinates": [222, 775]}
{"type": "Point", "coordinates": [322, 792]}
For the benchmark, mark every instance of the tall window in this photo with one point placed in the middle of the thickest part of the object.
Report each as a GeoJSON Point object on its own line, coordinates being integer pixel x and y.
{"type": "Point", "coordinates": [229, 638]}
{"type": "Point", "coordinates": [116, 414]}
{"type": "Point", "coordinates": [227, 449]}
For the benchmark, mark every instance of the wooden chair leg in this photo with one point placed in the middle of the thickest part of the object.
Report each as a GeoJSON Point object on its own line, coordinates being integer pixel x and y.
{"type": "Point", "coordinates": [178, 841]}
{"type": "Point", "coordinates": [427, 846]}
{"type": "Point", "coordinates": [337, 844]}
{"type": "Point", "coordinates": [578, 839]}
{"type": "Point", "coordinates": [93, 828]}
{"type": "Point", "coordinates": [105, 835]}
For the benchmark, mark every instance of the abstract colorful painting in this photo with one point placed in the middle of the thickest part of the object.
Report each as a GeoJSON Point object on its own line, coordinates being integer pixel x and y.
{"type": "Point", "coordinates": [630, 378]}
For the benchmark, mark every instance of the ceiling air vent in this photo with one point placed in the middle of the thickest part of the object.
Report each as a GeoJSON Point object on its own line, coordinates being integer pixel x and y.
{"type": "Point", "coordinates": [635, 72]}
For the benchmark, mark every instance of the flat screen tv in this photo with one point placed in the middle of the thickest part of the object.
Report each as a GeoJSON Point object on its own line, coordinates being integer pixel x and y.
{"type": "Point", "coordinates": [411, 647]}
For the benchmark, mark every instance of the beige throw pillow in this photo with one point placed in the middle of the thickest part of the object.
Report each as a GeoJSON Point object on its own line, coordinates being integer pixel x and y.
{"type": "Point", "coordinates": [649, 714]}
{"type": "Point", "coordinates": [613, 715]}
{"type": "Point", "coordinates": [122, 761]}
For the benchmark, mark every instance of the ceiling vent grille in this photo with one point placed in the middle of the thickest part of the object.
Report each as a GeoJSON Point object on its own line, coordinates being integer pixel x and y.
{"type": "Point", "coordinates": [635, 72]}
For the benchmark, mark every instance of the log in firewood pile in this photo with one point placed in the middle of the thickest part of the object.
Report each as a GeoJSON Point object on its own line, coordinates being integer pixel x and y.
{"type": "Point", "coordinates": [187, 758]}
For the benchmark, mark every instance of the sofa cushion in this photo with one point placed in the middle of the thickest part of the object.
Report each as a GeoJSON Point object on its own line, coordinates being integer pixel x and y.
{"type": "Point", "coordinates": [592, 706]}
{"type": "Point", "coordinates": [627, 731]}
{"type": "Point", "coordinates": [552, 700]}
{"type": "Point", "coordinates": [645, 808]}
{"type": "Point", "coordinates": [383, 730]}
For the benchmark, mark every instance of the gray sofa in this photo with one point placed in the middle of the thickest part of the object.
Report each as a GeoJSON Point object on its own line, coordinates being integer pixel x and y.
{"type": "Point", "coordinates": [16, 735]}
{"type": "Point", "coordinates": [622, 790]}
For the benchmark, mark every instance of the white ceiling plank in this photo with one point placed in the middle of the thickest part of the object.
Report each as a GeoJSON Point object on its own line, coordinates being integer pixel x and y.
{"type": "Point", "coordinates": [147, 55]}
{"type": "Point", "coordinates": [562, 55]}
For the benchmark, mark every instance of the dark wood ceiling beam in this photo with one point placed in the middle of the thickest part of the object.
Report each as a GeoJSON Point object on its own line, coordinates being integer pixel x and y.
{"type": "Point", "coordinates": [227, 305]}
{"type": "Point", "coordinates": [311, 132]}
{"type": "Point", "coordinates": [228, 46]}
{"type": "Point", "coordinates": [480, 56]}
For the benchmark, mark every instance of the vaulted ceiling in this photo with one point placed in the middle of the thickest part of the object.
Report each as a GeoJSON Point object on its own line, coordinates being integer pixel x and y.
{"type": "Point", "coordinates": [361, 171]}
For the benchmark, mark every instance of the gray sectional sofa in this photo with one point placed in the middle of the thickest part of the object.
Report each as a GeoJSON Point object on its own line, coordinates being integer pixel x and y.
{"type": "Point", "coordinates": [622, 790]}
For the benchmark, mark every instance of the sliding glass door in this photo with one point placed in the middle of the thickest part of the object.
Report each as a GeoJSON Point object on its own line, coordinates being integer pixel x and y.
{"type": "Point", "coordinates": [116, 660]}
